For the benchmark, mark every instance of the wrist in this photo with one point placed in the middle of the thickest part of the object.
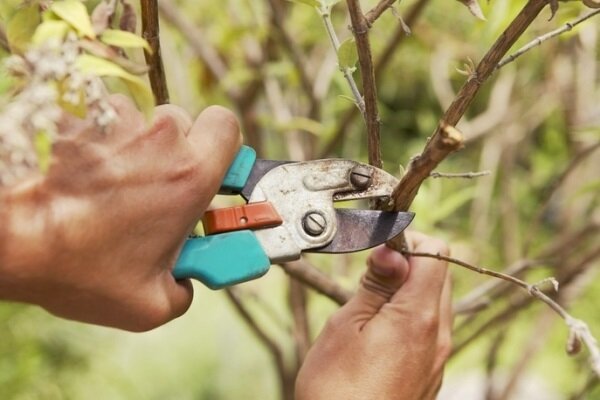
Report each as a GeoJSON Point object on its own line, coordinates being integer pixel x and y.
{"type": "Point", "coordinates": [22, 250]}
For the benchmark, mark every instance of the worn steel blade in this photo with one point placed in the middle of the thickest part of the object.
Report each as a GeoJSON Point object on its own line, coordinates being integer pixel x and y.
{"type": "Point", "coordinates": [363, 229]}
{"type": "Point", "coordinates": [261, 167]}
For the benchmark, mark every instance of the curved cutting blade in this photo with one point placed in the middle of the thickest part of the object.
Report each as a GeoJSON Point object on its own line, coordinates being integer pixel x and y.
{"type": "Point", "coordinates": [363, 229]}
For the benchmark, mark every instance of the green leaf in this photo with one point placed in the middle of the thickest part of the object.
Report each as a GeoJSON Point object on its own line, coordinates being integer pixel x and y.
{"type": "Point", "coordinates": [43, 149]}
{"type": "Point", "coordinates": [312, 3]}
{"type": "Point", "coordinates": [124, 39]}
{"type": "Point", "coordinates": [21, 27]}
{"type": "Point", "coordinates": [347, 54]}
{"type": "Point", "coordinates": [49, 30]}
{"type": "Point", "coordinates": [74, 13]}
{"type": "Point", "coordinates": [330, 3]}
{"type": "Point", "coordinates": [138, 88]}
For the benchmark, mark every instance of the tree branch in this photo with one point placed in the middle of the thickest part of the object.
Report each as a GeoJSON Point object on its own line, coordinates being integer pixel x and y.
{"type": "Point", "coordinates": [317, 280]}
{"type": "Point", "coordinates": [335, 42]}
{"type": "Point", "coordinates": [441, 144]}
{"type": "Point", "coordinates": [360, 28]}
{"type": "Point", "coordinates": [463, 175]}
{"type": "Point", "coordinates": [382, 62]}
{"type": "Point", "coordinates": [578, 328]}
{"type": "Point", "coordinates": [541, 39]}
{"type": "Point", "coordinates": [373, 14]}
{"type": "Point", "coordinates": [150, 32]}
{"type": "Point", "coordinates": [285, 379]}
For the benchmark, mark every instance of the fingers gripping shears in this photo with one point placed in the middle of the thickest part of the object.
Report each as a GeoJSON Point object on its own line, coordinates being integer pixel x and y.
{"type": "Point", "coordinates": [290, 210]}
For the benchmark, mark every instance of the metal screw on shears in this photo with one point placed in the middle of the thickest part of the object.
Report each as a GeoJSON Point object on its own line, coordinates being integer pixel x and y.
{"type": "Point", "coordinates": [314, 223]}
{"type": "Point", "coordinates": [360, 177]}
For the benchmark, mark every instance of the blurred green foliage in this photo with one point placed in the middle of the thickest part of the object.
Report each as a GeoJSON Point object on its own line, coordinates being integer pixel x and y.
{"type": "Point", "coordinates": [210, 353]}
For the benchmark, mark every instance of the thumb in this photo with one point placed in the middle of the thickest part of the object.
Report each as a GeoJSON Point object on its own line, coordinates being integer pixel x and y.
{"type": "Point", "coordinates": [387, 271]}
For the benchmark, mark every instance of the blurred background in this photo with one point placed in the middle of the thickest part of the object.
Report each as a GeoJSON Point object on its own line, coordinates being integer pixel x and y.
{"type": "Point", "coordinates": [535, 126]}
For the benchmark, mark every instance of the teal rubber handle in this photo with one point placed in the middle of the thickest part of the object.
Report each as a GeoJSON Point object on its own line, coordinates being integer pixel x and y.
{"type": "Point", "coordinates": [239, 171]}
{"type": "Point", "coordinates": [222, 260]}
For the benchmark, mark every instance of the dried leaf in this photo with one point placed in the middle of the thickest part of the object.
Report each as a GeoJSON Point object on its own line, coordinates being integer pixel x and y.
{"type": "Point", "coordinates": [128, 20]}
{"type": "Point", "coordinates": [124, 39]}
{"type": "Point", "coordinates": [592, 3]}
{"type": "Point", "coordinates": [474, 8]}
{"type": "Point", "coordinates": [102, 16]}
{"type": "Point", "coordinates": [347, 54]}
{"type": "Point", "coordinates": [21, 28]}
{"type": "Point", "coordinates": [75, 13]}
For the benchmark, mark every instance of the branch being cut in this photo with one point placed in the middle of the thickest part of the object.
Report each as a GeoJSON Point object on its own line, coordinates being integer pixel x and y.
{"type": "Point", "coordinates": [150, 32]}
{"type": "Point", "coordinates": [441, 144]}
{"type": "Point", "coordinates": [578, 329]}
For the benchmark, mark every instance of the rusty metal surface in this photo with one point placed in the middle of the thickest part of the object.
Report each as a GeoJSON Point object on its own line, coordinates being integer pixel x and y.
{"type": "Point", "coordinates": [261, 167]}
{"type": "Point", "coordinates": [297, 190]}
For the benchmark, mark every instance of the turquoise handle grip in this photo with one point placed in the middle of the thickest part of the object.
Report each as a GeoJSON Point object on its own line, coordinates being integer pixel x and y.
{"type": "Point", "coordinates": [239, 171]}
{"type": "Point", "coordinates": [222, 260]}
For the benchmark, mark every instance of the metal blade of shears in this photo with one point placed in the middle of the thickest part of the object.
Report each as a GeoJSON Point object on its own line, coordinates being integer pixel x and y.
{"type": "Point", "coordinates": [363, 229]}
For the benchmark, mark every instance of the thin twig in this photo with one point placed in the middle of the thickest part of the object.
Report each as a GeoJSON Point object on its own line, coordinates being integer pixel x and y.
{"type": "Point", "coordinates": [317, 280]}
{"type": "Point", "coordinates": [421, 166]}
{"type": "Point", "coordinates": [360, 28]}
{"type": "Point", "coordinates": [465, 175]}
{"type": "Point", "coordinates": [566, 275]}
{"type": "Point", "coordinates": [577, 327]}
{"type": "Point", "coordinates": [541, 39]}
{"type": "Point", "coordinates": [335, 42]}
{"type": "Point", "coordinates": [373, 14]}
{"type": "Point", "coordinates": [151, 32]}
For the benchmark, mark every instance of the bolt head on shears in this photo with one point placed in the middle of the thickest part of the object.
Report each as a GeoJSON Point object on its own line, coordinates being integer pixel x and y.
{"type": "Point", "coordinates": [303, 194]}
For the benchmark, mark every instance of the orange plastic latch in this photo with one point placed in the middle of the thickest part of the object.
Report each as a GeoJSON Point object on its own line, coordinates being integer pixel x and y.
{"type": "Point", "coordinates": [249, 216]}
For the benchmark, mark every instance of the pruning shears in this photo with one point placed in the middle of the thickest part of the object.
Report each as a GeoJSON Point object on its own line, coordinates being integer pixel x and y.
{"type": "Point", "coordinates": [290, 210]}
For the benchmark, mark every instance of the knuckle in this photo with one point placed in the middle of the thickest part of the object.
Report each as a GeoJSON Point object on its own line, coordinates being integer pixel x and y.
{"type": "Point", "coordinates": [428, 322]}
{"type": "Point", "coordinates": [226, 117]}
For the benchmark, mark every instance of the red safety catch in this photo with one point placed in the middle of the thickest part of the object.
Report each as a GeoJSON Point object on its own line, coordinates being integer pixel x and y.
{"type": "Point", "coordinates": [249, 216]}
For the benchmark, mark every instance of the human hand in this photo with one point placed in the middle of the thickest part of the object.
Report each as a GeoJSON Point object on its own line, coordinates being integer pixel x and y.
{"type": "Point", "coordinates": [95, 240]}
{"type": "Point", "coordinates": [392, 339]}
